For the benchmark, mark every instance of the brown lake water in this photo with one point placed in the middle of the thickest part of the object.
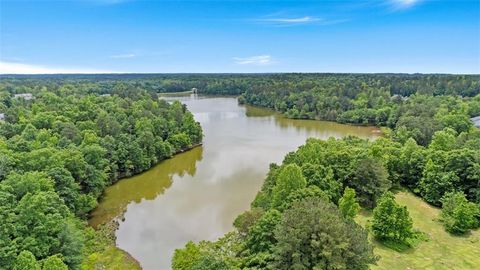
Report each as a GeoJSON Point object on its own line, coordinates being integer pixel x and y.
{"type": "Point", "coordinates": [196, 195]}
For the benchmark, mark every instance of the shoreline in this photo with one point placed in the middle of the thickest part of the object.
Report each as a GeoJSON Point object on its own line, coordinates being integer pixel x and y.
{"type": "Point", "coordinates": [108, 228]}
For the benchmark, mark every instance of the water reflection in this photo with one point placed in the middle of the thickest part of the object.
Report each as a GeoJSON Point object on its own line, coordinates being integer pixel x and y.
{"type": "Point", "coordinates": [329, 128]}
{"type": "Point", "coordinates": [147, 185]}
{"type": "Point", "coordinates": [203, 190]}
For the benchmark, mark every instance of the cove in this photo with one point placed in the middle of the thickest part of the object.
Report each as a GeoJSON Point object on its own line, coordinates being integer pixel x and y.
{"type": "Point", "coordinates": [197, 194]}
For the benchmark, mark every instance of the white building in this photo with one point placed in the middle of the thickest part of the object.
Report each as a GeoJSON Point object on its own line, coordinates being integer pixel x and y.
{"type": "Point", "coordinates": [26, 96]}
{"type": "Point", "coordinates": [476, 121]}
{"type": "Point", "coordinates": [2, 116]}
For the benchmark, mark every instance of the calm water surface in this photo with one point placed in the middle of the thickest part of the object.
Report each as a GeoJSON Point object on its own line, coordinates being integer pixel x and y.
{"type": "Point", "coordinates": [196, 195]}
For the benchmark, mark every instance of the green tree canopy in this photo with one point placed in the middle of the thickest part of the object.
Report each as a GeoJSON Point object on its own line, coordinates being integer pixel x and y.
{"type": "Point", "coordinates": [391, 222]}
{"type": "Point", "coordinates": [348, 204]}
{"type": "Point", "coordinates": [314, 235]}
{"type": "Point", "coordinates": [458, 214]}
{"type": "Point", "coordinates": [289, 179]}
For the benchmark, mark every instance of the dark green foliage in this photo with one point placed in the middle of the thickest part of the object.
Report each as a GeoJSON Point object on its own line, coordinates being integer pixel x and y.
{"type": "Point", "coordinates": [247, 219]}
{"type": "Point", "coordinates": [411, 163]}
{"type": "Point", "coordinates": [458, 214]}
{"type": "Point", "coordinates": [314, 235]}
{"type": "Point", "coordinates": [391, 222]}
{"type": "Point", "coordinates": [370, 180]}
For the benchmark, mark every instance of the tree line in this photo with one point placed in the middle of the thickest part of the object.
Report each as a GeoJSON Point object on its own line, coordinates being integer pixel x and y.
{"type": "Point", "coordinates": [58, 152]}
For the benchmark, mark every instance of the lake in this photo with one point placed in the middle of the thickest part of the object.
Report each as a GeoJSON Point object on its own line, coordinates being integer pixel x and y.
{"type": "Point", "coordinates": [196, 195]}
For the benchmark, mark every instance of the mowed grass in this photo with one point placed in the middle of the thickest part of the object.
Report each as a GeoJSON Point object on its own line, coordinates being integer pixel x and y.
{"type": "Point", "coordinates": [111, 258]}
{"type": "Point", "coordinates": [441, 251]}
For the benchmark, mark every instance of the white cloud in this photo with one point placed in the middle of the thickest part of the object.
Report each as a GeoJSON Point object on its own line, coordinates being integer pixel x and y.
{"type": "Point", "coordinates": [305, 19]}
{"type": "Point", "coordinates": [260, 60]}
{"type": "Point", "coordinates": [20, 68]}
{"type": "Point", "coordinates": [293, 21]}
{"type": "Point", "coordinates": [127, 55]}
{"type": "Point", "coordinates": [403, 4]}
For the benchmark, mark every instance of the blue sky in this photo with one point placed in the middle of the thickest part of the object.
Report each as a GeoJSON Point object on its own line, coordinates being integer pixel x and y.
{"type": "Point", "coordinates": [90, 36]}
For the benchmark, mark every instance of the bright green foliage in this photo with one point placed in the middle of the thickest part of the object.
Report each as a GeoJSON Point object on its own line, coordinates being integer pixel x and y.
{"type": "Point", "coordinates": [54, 263]}
{"type": "Point", "coordinates": [458, 122]}
{"type": "Point", "coordinates": [209, 262]}
{"type": "Point", "coordinates": [289, 179]}
{"type": "Point", "coordinates": [26, 261]}
{"type": "Point", "coordinates": [180, 141]}
{"type": "Point", "coordinates": [260, 237]}
{"type": "Point", "coordinates": [411, 163]}
{"type": "Point", "coordinates": [443, 140]}
{"type": "Point", "coordinates": [263, 198]}
{"type": "Point", "coordinates": [185, 258]}
{"type": "Point", "coordinates": [348, 204]}
{"type": "Point", "coordinates": [392, 222]}
{"type": "Point", "coordinates": [458, 214]}
{"type": "Point", "coordinates": [208, 255]}
{"type": "Point", "coordinates": [314, 235]}
{"type": "Point", "coordinates": [322, 177]}
{"type": "Point", "coordinates": [436, 182]}
{"type": "Point", "coordinates": [303, 193]}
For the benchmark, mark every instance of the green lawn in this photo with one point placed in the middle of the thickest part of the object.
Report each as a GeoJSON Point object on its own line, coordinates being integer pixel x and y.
{"type": "Point", "coordinates": [111, 258]}
{"type": "Point", "coordinates": [441, 251]}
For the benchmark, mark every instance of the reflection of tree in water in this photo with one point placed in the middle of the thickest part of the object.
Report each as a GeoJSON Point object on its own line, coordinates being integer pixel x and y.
{"type": "Point", "coordinates": [324, 129]}
{"type": "Point", "coordinates": [147, 185]}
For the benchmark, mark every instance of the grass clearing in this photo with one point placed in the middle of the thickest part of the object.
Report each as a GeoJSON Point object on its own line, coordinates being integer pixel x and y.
{"type": "Point", "coordinates": [111, 258]}
{"type": "Point", "coordinates": [441, 251]}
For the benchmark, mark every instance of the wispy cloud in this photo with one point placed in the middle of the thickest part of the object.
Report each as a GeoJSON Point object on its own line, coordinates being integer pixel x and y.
{"type": "Point", "coordinates": [21, 68]}
{"type": "Point", "coordinates": [260, 60]}
{"type": "Point", "coordinates": [127, 55]}
{"type": "Point", "coordinates": [293, 21]}
{"type": "Point", "coordinates": [403, 4]}
{"type": "Point", "coordinates": [305, 19]}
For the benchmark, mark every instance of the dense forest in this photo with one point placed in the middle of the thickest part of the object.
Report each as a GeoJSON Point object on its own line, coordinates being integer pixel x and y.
{"type": "Point", "coordinates": [77, 134]}
{"type": "Point", "coordinates": [303, 217]}
{"type": "Point", "coordinates": [413, 105]}
{"type": "Point", "coordinates": [59, 149]}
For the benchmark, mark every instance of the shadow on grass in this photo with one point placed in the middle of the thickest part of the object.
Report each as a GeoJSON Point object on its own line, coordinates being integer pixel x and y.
{"type": "Point", "coordinates": [407, 246]}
